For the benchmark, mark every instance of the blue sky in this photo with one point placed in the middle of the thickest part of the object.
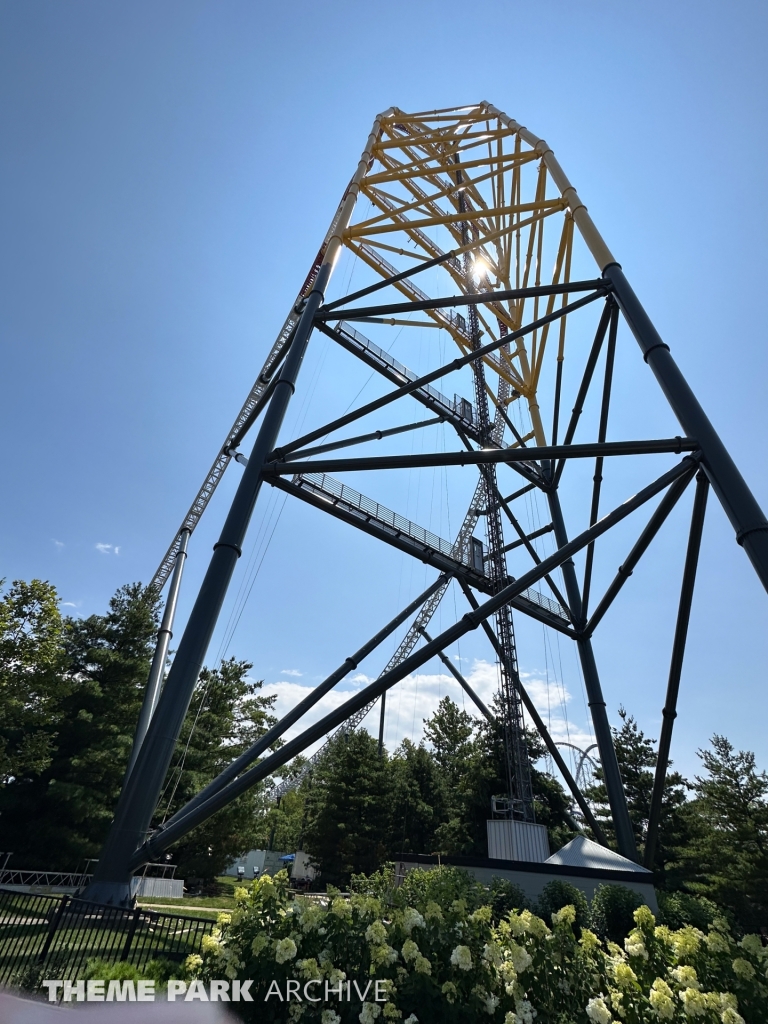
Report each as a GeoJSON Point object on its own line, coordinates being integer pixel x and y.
{"type": "Point", "coordinates": [168, 171]}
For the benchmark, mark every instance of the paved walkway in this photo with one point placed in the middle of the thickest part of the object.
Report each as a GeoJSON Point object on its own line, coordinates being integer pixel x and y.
{"type": "Point", "coordinates": [169, 908]}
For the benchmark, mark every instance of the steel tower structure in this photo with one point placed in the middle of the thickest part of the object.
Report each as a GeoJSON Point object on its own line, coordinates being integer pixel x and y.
{"type": "Point", "coordinates": [466, 211]}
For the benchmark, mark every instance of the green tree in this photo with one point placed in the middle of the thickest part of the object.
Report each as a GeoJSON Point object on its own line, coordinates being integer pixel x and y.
{"type": "Point", "coordinates": [636, 754]}
{"type": "Point", "coordinates": [348, 803]}
{"type": "Point", "coordinates": [419, 798]}
{"type": "Point", "coordinates": [94, 670]}
{"type": "Point", "coordinates": [727, 858]}
{"type": "Point", "coordinates": [70, 695]}
{"type": "Point", "coordinates": [451, 733]}
{"type": "Point", "coordinates": [32, 681]}
{"type": "Point", "coordinates": [487, 777]}
{"type": "Point", "coordinates": [226, 715]}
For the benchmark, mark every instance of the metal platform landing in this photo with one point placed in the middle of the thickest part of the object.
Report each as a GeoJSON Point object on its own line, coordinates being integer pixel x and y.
{"type": "Point", "coordinates": [466, 562]}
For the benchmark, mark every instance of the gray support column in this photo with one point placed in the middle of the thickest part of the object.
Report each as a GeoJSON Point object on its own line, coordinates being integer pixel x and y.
{"type": "Point", "coordinates": [616, 797]}
{"type": "Point", "coordinates": [459, 679]}
{"type": "Point", "coordinates": [382, 715]}
{"type": "Point", "coordinates": [739, 503]}
{"type": "Point", "coordinates": [112, 878]}
{"type": "Point", "coordinates": [164, 634]}
{"type": "Point", "coordinates": [669, 714]}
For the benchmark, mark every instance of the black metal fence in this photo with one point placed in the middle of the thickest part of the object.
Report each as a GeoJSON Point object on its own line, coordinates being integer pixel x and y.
{"type": "Point", "coordinates": [54, 936]}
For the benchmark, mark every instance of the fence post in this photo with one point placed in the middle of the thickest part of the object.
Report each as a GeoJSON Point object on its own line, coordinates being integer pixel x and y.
{"type": "Point", "coordinates": [131, 932]}
{"type": "Point", "coordinates": [52, 929]}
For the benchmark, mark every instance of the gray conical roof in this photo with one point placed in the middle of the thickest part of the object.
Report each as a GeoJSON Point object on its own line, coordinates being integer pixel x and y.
{"type": "Point", "coordinates": [583, 853]}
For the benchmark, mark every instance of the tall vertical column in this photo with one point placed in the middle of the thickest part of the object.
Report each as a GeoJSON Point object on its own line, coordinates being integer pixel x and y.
{"type": "Point", "coordinates": [138, 800]}
{"type": "Point", "coordinates": [164, 635]}
{"type": "Point", "coordinates": [616, 796]}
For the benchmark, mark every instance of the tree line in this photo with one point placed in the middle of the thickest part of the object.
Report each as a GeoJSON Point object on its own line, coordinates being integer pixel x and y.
{"type": "Point", "coordinates": [70, 693]}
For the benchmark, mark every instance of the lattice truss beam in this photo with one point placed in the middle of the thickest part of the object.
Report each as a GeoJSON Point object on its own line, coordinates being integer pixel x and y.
{"type": "Point", "coordinates": [458, 221]}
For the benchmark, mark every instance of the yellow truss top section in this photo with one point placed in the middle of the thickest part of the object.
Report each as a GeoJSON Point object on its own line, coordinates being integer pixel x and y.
{"type": "Point", "coordinates": [471, 184]}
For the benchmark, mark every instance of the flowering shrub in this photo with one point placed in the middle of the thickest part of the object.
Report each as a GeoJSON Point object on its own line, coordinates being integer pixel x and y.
{"type": "Point", "coordinates": [441, 960]}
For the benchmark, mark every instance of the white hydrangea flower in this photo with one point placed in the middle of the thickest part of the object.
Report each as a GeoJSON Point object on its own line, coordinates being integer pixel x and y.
{"type": "Point", "coordinates": [521, 958]}
{"type": "Point", "coordinates": [412, 919]}
{"type": "Point", "coordinates": [369, 1013]}
{"type": "Point", "coordinates": [686, 977]}
{"type": "Point", "coordinates": [635, 946]}
{"type": "Point", "coordinates": [661, 1000]}
{"type": "Point", "coordinates": [598, 1011]}
{"type": "Point", "coordinates": [743, 969]}
{"type": "Point", "coordinates": [211, 943]}
{"type": "Point", "coordinates": [731, 1016]}
{"type": "Point", "coordinates": [413, 1019]}
{"type": "Point", "coordinates": [330, 1017]}
{"type": "Point", "coordinates": [525, 1012]}
{"type": "Point", "coordinates": [694, 1002]}
{"type": "Point", "coordinates": [717, 942]}
{"type": "Point", "coordinates": [492, 954]}
{"type": "Point", "coordinates": [686, 941]}
{"type": "Point", "coordinates": [461, 957]}
{"type": "Point", "coordinates": [753, 944]}
{"type": "Point", "coordinates": [410, 950]}
{"type": "Point", "coordinates": [566, 915]}
{"type": "Point", "coordinates": [491, 1002]}
{"type": "Point", "coordinates": [376, 933]}
{"type": "Point", "coordinates": [193, 963]}
{"type": "Point", "coordinates": [285, 949]}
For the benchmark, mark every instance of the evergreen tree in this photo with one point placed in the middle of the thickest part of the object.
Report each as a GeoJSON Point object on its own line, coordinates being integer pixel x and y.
{"type": "Point", "coordinates": [451, 734]}
{"type": "Point", "coordinates": [349, 805]}
{"type": "Point", "coordinates": [419, 799]}
{"type": "Point", "coordinates": [226, 716]}
{"type": "Point", "coordinates": [58, 811]}
{"type": "Point", "coordinates": [70, 695]}
{"type": "Point", "coordinates": [727, 857]}
{"type": "Point", "coordinates": [32, 682]}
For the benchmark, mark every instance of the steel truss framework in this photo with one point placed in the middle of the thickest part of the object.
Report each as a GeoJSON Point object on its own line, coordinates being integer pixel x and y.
{"type": "Point", "coordinates": [466, 210]}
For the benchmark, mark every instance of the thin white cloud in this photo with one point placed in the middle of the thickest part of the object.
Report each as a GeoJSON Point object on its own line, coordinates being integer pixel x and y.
{"type": "Point", "coordinates": [107, 549]}
{"type": "Point", "coordinates": [71, 604]}
{"type": "Point", "coordinates": [416, 697]}
{"type": "Point", "coordinates": [58, 543]}
{"type": "Point", "coordinates": [290, 672]}
{"type": "Point", "coordinates": [361, 677]}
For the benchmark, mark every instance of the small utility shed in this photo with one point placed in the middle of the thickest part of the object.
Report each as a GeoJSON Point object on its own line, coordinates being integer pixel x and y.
{"type": "Point", "coordinates": [581, 862]}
